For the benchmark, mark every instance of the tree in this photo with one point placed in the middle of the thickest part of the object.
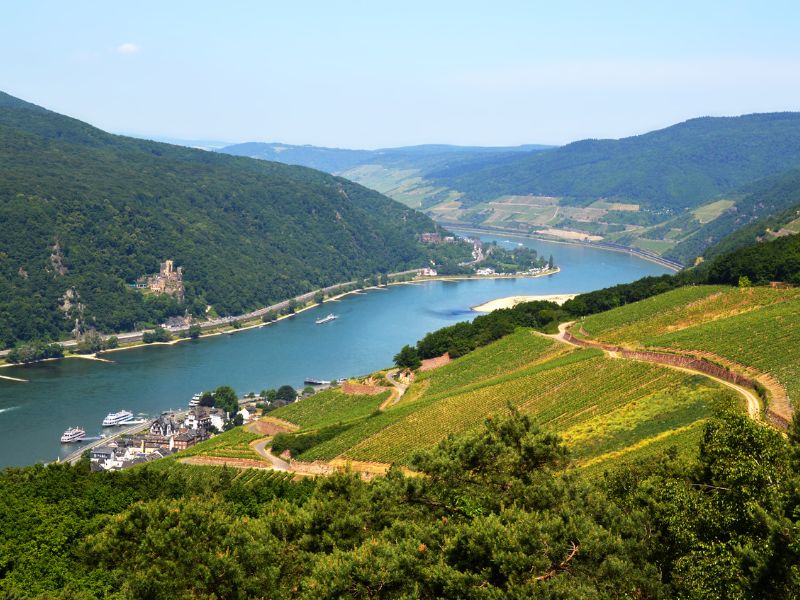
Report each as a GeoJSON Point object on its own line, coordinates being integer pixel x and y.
{"type": "Point", "coordinates": [308, 390]}
{"type": "Point", "coordinates": [238, 420]}
{"type": "Point", "coordinates": [194, 331]}
{"type": "Point", "coordinates": [407, 358]}
{"type": "Point", "coordinates": [207, 399]}
{"type": "Point", "coordinates": [292, 306]}
{"type": "Point", "coordinates": [286, 393]}
{"type": "Point", "coordinates": [159, 334]}
{"type": "Point", "coordinates": [111, 343]}
{"type": "Point", "coordinates": [91, 342]}
{"type": "Point", "coordinates": [319, 297]}
{"type": "Point", "coordinates": [551, 263]}
{"type": "Point", "coordinates": [744, 282]}
{"type": "Point", "coordinates": [225, 398]}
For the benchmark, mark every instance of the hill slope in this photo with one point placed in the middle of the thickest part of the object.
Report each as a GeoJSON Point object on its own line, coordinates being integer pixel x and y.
{"type": "Point", "coordinates": [87, 211]}
{"type": "Point", "coordinates": [681, 166]}
{"type": "Point", "coordinates": [767, 204]}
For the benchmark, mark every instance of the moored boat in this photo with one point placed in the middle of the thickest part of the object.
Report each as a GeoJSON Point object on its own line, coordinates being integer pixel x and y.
{"type": "Point", "coordinates": [73, 434]}
{"type": "Point", "coordinates": [317, 382]}
{"type": "Point", "coordinates": [195, 401]}
{"type": "Point", "coordinates": [122, 417]}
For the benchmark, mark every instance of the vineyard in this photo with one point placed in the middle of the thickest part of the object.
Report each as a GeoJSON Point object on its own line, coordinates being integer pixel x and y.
{"type": "Point", "coordinates": [678, 309]}
{"type": "Point", "coordinates": [329, 408]}
{"type": "Point", "coordinates": [767, 339]}
{"type": "Point", "coordinates": [573, 394]}
{"type": "Point", "coordinates": [512, 352]}
{"type": "Point", "coordinates": [230, 444]}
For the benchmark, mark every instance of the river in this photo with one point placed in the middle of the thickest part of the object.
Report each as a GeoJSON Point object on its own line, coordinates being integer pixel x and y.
{"type": "Point", "coordinates": [370, 329]}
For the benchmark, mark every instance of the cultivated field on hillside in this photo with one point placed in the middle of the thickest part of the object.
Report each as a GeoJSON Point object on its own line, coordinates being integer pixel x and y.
{"type": "Point", "coordinates": [677, 310]}
{"type": "Point", "coordinates": [230, 444]}
{"type": "Point", "coordinates": [767, 339]}
{"type": "Point", "coordinates": [600, 405]}
{"type": "Point", "coordinates": [328, 408]}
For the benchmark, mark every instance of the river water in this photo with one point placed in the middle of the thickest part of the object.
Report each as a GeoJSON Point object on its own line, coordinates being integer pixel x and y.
{"type": "Point", "coordinates": [370, 329]}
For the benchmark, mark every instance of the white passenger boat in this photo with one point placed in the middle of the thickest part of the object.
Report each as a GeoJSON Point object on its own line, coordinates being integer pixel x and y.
{"type": "Point", "coordinates": [328, 319]}
{"type": "Point", "coordinates": [73, 434]}
{"type": "Point", "coordinates": [122, 417]}
{"type": "Point", "coordinates": [195, 401]}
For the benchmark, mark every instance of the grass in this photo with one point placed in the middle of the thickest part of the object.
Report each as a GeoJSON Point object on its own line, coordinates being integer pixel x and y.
{"type": "Point", "coordinates": [328, 408]}
{"type": "Point", "coordinates": [709, 212]}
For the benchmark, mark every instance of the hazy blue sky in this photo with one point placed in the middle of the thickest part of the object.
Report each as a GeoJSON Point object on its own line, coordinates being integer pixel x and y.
{"type": "Point", "coordinates": [372, 74]}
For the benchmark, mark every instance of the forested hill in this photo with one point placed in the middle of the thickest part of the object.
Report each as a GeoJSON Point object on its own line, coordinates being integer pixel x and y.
{"type": "Point", "coordinates": [767, 208]}
{"type": "Point", "coordinates": [681, 166]}
{"type": "Point", "coordinates": [88, 211]}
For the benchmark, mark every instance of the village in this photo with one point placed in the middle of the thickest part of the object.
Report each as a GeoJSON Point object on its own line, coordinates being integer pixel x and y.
{"type": "Point", "coordinates": [173, 431]}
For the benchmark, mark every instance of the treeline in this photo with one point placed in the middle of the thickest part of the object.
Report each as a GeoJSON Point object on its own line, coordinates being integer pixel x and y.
{"type": "Point", "coordinates": [499, 513]}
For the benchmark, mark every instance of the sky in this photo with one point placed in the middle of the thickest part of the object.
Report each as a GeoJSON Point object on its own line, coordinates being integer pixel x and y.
{"type": "Point", "coordinates": [361, 74]}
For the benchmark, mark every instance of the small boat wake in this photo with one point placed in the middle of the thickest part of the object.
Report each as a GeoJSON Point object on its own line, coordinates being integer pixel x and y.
{"type": "Point", "coordinates": [2, 410]}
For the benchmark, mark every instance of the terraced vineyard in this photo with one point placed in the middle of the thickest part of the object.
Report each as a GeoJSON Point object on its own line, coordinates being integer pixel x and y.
{"type": "Point", "coordinates": [677, 309]}
{"type": "Point", "coordinates": [572, 395]}
{"type": "Point", "coordinates": [328, 408]}
{"type": "Point", "coordinates": [767, 340]}
{"type": "Point", "coordinates": [754, 327]}
{"type": "Point", "coordinates": [520, 349]}
{"type": "Point", "coordinates": [230, 444]}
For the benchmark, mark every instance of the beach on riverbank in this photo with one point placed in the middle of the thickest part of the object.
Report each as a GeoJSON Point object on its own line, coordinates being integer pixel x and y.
{"type": "Point", "coordinates": [512, 301]}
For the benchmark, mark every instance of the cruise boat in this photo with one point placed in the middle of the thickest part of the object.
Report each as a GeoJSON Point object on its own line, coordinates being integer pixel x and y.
{"type": "Point", "coordinates": [195, 401]}
{"type": "Point", "coordinates": [328, 319]}
{"type": "Point", "coordinates": [310, 381]}
{"type": "Point", "coordinates": [73, 434]}
{"type": "Point", "coordinates": [122, 417]}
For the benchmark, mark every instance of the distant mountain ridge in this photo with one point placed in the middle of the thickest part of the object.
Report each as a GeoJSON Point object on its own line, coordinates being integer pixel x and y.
{"type": "Point", "coordinates": [84, 212]}
{"type": "Point", "coordinates": [338, 160]}
{"type": "Point", "coordinates": [681, 166]}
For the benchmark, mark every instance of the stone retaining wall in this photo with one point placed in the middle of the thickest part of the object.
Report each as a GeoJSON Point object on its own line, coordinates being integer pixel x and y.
{"type": "Point", "coordinates": [686, 362]}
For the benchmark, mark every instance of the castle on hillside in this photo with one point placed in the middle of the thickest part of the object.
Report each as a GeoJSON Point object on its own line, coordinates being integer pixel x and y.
{"type": "Point", "coordinates": [169, 280]}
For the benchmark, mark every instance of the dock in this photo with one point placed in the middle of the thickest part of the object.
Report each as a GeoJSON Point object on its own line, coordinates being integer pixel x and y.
{"type": "Point", "coordinates": [75, 456]}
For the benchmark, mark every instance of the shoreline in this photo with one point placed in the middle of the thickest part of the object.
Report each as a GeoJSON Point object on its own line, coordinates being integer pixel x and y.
{"type": "Point", "coordinates": [512, 233]}
{"type": "Point", "coordinates": [99, 356]}
{"type": "Point", "coordinates": [512, 301]}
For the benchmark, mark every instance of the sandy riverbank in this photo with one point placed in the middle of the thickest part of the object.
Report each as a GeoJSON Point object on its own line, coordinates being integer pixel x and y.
{"type": "Point", "coordinates": [512, 301]}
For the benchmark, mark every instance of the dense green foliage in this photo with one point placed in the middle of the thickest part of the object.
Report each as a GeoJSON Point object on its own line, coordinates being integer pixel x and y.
{"type": "Point", "coordinates": [28, 353]}
{"type": "Point", "coordinates": [678, 167]}
{"type": "Point", "coordinates": [495, 516]}
{"type": "Point", "coordinates": [778, 260]}
{"type": "Point", "coordinates": [89, 212]}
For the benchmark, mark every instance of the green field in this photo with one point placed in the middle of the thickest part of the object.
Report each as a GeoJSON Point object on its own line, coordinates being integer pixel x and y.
{"type": "Point", "coordinates": [754, 327]}
{"type": "Point", "coordinates": [605, 408]}
{"type": "Point", "coordinates": [709, 212]}
{"type": "Point", "coordinates": [230, 444]}
{"type": "Point", "coordinates": [328, 408]}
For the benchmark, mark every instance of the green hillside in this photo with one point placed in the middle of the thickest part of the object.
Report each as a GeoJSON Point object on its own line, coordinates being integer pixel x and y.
{"type": "Point", "coordinates": [761, 208]}
{"type": "Point", "coordinates": [682, 166]}
{"type": "Point", "coordinates": [86, 211]}
{"type": "Point", "coordinates": [604, 408]}
{"type": "Point", "coordinates": [752, 327]}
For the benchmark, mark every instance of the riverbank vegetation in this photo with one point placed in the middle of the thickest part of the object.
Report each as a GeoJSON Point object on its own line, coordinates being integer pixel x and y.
{"type": "Point", "coordinates": [498, 514]}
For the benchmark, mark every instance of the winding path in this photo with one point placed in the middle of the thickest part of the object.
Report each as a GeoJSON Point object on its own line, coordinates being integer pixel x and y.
{"type": "Point", "coordinates": [753, 402]}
